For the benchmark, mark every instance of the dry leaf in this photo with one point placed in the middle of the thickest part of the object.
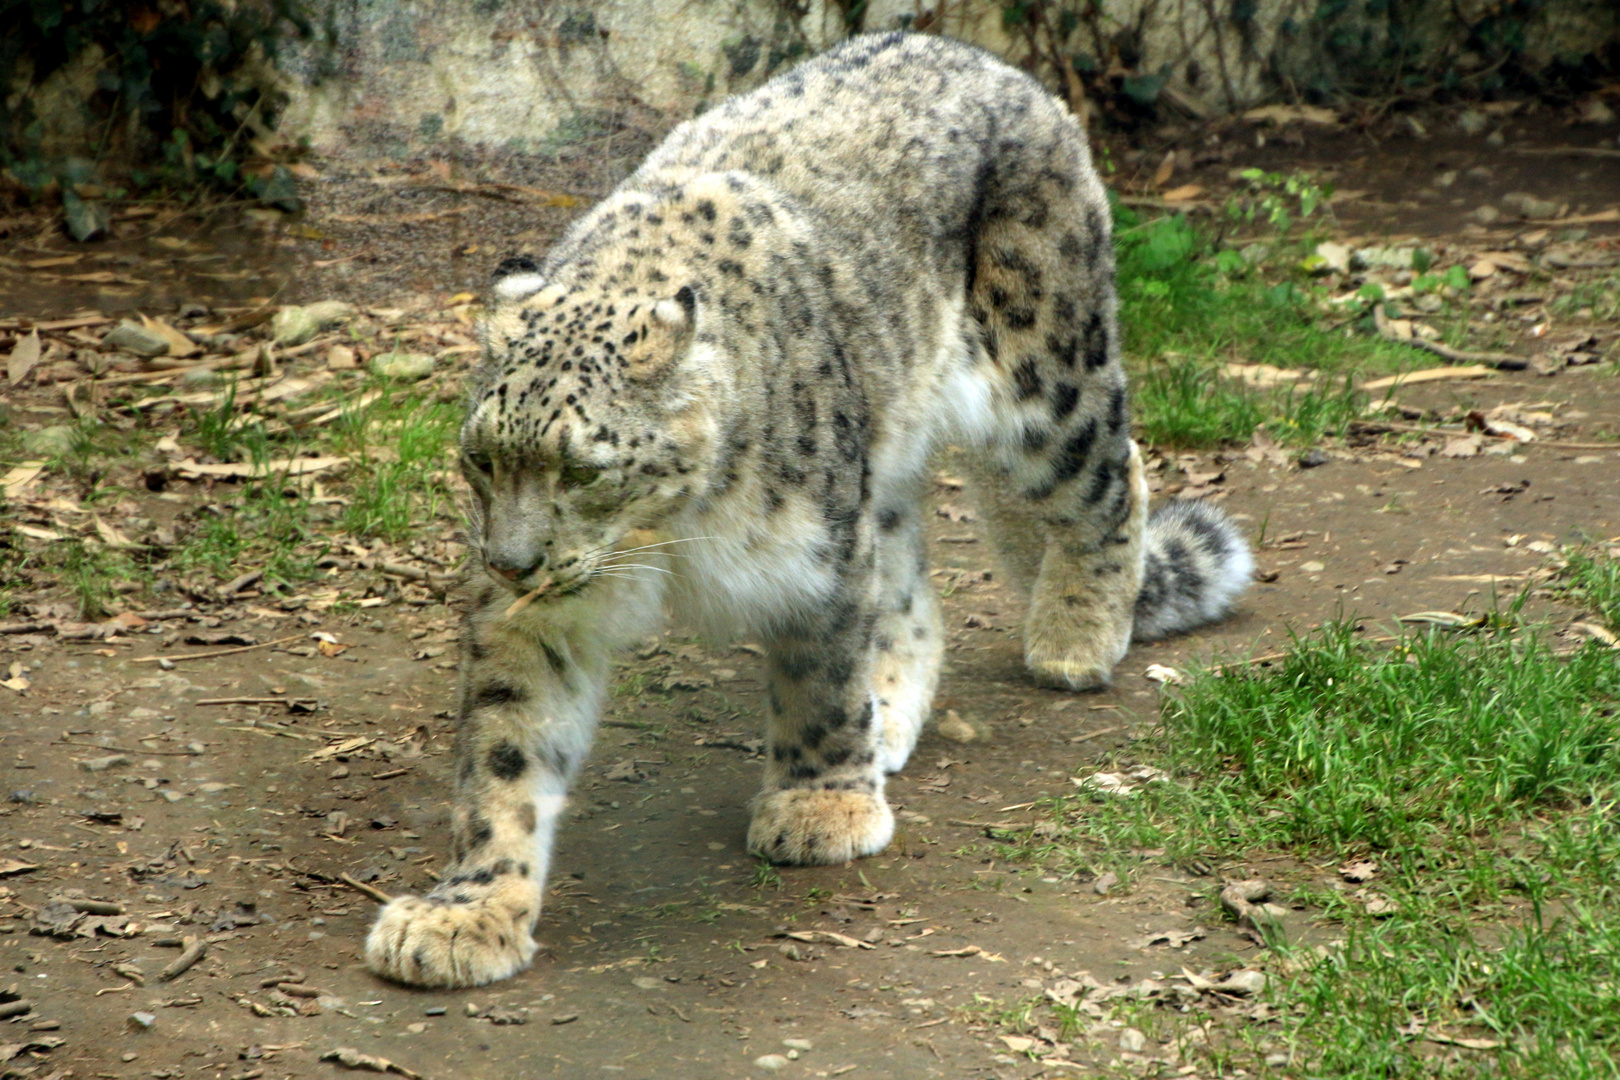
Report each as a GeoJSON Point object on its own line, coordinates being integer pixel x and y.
{"type": "Point", "coordinates": [112, 537]}
{"type": "Point", "coordinates": [1183, 193]}
{"type": "Point", "coordinates": [1287, 114]}
{"type": "Point", "coordinates": [20, 477]}
{"type": "Point", "coordinates": [1472, 371]}
{"type": "Point", "coordinates": [24, 355]}
{"type": "Point", "coordinates": [179, 345]}
{"type": "Point", "coordinates": [191, 470]}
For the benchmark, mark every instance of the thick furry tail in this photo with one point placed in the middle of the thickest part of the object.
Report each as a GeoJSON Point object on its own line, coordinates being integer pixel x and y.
{"type": "Point", "coordinates": [1195, 564]}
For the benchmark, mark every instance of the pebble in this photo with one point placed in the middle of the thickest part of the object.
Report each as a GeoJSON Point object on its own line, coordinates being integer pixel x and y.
{"type": "Point", "coordinates": [53, 441]}
{"type": "Point", "coordinates": [771, 1062]}
{"type": "Point", "coordinates": [1529, 206]}
{"type": "Point", "coordinates": [141, 1021]}
{"type": "Point", "coordinates": [797, 1044]}
{"type": "Point", "coordinates": [294, 325]}
{"type": "Point", "coordinates": [407, 366]}
{"type": "Point", "coordinates": [1132, 1041]}
{"type": "Point", "coordinates": [1313, 457]}
{"type": "Point", "coordinates": [102, 764]}
{"type": "Point", "coordinates": [434, 1010]}
{"type": "Point", "coordinates": [1473, 122]}
{"type": "Point", "coordinates": [132, 337]}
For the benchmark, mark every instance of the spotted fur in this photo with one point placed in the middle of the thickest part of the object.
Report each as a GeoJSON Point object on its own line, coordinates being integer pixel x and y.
{"type": "Point", "coordinates": [718, 395]}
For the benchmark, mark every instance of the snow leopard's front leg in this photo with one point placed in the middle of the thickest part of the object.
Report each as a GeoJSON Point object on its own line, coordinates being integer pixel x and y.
{"type": "Point", "coordinates": [823, 796]}
{"type": "Point", "coordinates": [529, 695]}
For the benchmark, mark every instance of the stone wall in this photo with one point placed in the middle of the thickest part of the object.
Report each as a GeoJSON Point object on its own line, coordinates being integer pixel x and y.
{"type": "Point", "coordinates": [396, 75]}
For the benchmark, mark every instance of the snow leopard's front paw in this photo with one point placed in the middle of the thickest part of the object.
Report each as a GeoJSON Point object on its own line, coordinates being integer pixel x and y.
{"type": "Point", "coordinates": [808, 827]}
{"type": "Point", "coordinates": [464, 933]}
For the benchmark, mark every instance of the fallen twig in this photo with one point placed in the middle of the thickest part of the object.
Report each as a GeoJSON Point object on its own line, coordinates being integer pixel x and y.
{"type": "Point", "coordinates": [132, 753]}
{"type": "Point", "coordinates": [195, 948]}
{"type": "Point", "coordinates": [213, 652]}
{"type": "Point", "coordinates": [1500, 361]}
{"type": "Point", "coordinates": [365, 890]}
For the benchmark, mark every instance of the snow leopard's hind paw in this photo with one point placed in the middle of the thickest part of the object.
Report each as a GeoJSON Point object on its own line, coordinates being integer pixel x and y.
{"type": "Point", "coordinates": [810, 827]}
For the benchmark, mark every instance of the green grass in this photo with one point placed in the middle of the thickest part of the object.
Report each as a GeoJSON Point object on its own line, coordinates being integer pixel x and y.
{"type": "Point", "coordinates": [1189, 305]}
{"type": "Point", "coordinates": [1592, 581]}
{"type": "Point", "coordinates": [399, 447]}
{"type": "Point", "coordinates": [1480, 770]}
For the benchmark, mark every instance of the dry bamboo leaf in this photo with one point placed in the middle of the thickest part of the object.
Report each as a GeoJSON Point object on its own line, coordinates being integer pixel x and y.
{"type": "Point", "coordinates": [24, 355]}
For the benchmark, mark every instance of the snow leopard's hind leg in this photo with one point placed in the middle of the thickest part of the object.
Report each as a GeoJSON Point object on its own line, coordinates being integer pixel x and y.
{"type": "Point", "coordinates": [909, 640]}
{"type": "Point", "coordinates": [1063, 488]}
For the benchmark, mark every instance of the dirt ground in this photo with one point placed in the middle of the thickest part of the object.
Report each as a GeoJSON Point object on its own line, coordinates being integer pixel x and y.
{"type": "Point", "coordinates": [250, 782]}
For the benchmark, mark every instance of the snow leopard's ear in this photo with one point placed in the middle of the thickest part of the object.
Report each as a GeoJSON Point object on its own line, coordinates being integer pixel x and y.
{"type": "Point", "coordinates": [518, 278]}
{"type": "Point", "coordinates": [664, 336]}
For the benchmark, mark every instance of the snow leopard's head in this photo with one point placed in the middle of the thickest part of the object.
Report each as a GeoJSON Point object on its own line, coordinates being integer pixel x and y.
{"type": "Point", "coordinates": [590, 418]}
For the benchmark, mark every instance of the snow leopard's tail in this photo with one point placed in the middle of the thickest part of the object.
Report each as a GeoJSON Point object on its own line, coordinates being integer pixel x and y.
{"type": "Point", "coordinates": [1195, 564]}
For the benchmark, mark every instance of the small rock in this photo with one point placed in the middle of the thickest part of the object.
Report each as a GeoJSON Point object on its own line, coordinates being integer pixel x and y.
{"type": "Point", "coordinates": [956, 729]}
{"type": "Point", "coordinates": [296, 325]}
{"type": "Point", "coordinates": [102, 764]}
{"type": "Point", "coordinates": [199, 378]}
{"type": "Point", "coordinates": [647, 982]}
{"type": "Point", "coordinates": [135, 338]}
{"type": "Point", "coordinates": [86, 220]}
{"type": "Point", "coordinates": [1388, 258]}
{"type": "Point", "coordinates": [1255, 254]}
{"type": "Point", "coordinates": [49, 442]}
{"type": "Point", "coordinates": [407, 366]}
{"type": "Point", "coordinates": [1487, 214]}
{"type": "Point", "coordinates": [1529, 206]}
{"type": "Point", "coordinates": [771, 1062]}
{"type": "Point", "coordinates": [1594, 110]}
{"type": "Point", "coordinates": [1243, 982]}
{"type": "Point", "coordinates": [1132, 1041]}
{"type": "Point", "coordinates": [434, 1010]}
{"type": "Point", "coordinates": [141, 1021]}
{"type": "Point", "coordinates": [1313, 457]}
{"type": "Point", "coordinates": [1496, 140]}
{"type": "Point", "coordinates": [1335, 257]}
{"type": "Point", "coordinates": [1105, 883]}
{"type": "Point", "coordinates": [1473, 122]}
{"type": "Point", "coordinates": [1312, 567]}
{"type": "Point", "coordinates": [341, 358]}
{"type": "Point", "coordinates": [797, 1044]}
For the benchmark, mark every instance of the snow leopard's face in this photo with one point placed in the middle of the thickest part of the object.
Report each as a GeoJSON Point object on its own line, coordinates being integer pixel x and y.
{"type": "Point", "coordinates": [585, 426]}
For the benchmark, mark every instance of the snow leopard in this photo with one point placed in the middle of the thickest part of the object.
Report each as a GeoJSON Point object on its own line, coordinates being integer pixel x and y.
{"type": "Point", "coordinates": [715, 399]}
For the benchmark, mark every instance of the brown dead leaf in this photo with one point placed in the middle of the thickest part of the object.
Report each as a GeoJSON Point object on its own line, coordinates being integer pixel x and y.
{"type": "Point", "coordinates": [1166, 169]}
{"type": "Point", "coordinates": [180, 346]}
{"type": "Point", "coordinates": [1183, 193]}
{"type": "Point", "coordinates": [112, 537]}
{"type": "Point", "coordinates": [1359, 871]}
{"type": "Point", "coordinates": [15, 482]}
{"type": "Point", "coordinates": [1288, 114]}
{"type": "Point", "coordinates": [290, 467]}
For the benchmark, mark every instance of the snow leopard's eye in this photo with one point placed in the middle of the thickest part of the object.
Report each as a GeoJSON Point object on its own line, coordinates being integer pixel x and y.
{"type": "Point", "coordinates": [575, 475]}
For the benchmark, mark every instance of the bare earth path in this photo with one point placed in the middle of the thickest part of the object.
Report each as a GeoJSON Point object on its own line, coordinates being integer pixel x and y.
{"type": "Point", "coordinates": [209, 800]}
